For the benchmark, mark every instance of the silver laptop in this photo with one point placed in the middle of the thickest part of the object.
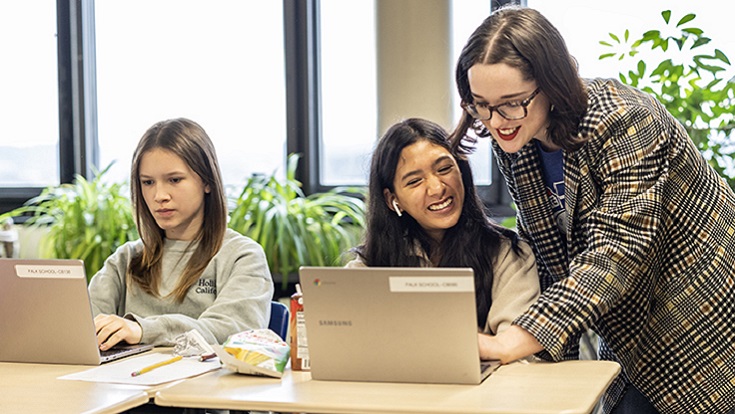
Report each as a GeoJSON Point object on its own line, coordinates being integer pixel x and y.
{"type": "Point", "coordinates": [414, 325]}
{"type": "Point", "coordinates": [46, 316]}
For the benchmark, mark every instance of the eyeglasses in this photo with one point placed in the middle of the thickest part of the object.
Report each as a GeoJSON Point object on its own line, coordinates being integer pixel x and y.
{"type": "Point", "coordinates": [511, 111]}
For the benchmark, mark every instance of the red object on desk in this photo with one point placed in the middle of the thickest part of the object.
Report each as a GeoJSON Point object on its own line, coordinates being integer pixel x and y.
{"type": "Point", "coordinates": [299, 349]}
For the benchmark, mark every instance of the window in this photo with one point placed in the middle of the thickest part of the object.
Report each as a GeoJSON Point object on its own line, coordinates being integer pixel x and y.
{"type": "Point", "coordinates": [466, 16]}
{"type": "Point", "coordinates": [29, 111]}
{"type": "Point", "coordinates": [349, 90]}
{"type": "Point", "coordinates": [219, 63]}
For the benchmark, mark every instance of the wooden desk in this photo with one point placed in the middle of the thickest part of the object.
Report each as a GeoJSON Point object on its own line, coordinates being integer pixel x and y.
{"type": "Point", "coordinates": [34, 388]}
{"type": "Point", "coordinates": [569, 387]}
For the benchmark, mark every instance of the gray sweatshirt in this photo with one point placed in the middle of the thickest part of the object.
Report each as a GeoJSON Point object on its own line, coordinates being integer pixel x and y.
{"type": "Point", "coordinates": [232, 295]}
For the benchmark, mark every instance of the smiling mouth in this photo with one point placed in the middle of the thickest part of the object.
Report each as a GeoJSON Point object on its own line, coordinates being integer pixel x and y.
{"type": "Point", "coordinates": [508, 134]}
{"type": "Point", "coordinates": [443, 205]}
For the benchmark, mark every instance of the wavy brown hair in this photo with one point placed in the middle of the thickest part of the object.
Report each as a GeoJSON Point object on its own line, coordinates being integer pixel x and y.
{"type": "Point", "coordinates": [189, 141]}
{"type": "Point", "coordinates": [524, 39]}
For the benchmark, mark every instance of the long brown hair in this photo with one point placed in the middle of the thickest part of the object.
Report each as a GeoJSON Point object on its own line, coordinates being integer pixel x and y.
{"type": "Point", "coordinates": [189, 141]}
{"type": "Point", "coordinates": [524, 39]}
{"type": "Point", "coordinates": [391, 241]}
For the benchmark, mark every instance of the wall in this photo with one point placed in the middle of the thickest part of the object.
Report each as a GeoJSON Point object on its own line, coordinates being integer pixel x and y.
{"type": "Point", "coordinates": [414, 61]}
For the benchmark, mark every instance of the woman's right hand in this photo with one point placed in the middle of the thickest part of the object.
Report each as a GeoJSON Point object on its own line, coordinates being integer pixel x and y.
{"type": "Point", "coordinates": [509, 345]}
{"type": "Point", "coordinates": [112, 329]}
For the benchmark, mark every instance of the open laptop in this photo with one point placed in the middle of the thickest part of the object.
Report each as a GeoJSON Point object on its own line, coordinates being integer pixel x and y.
{"type": "Point", "coordinates": [392, 324]}
{"type": "Point", "coordinates": [46, 316]}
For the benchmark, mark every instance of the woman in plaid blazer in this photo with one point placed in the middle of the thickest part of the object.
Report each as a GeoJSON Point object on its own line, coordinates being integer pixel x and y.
{"type": "Point", "coordinates": [633, 232]}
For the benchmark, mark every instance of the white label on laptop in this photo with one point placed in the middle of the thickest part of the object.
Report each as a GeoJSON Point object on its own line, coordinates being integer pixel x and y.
{"type": "Point", "coordinates": [431, 284]}
{"type": "Point", "coordinates": [62, 272]}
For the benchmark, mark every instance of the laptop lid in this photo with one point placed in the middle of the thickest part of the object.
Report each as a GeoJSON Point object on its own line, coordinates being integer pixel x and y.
{"type": "Point", "coordinates": [391, 324]}
{"type": "Point", "coordinates": [45, 313]}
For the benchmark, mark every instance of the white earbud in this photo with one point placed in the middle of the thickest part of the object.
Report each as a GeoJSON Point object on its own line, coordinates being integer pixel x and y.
{"type": "Point", "coordinates": [396, 208]}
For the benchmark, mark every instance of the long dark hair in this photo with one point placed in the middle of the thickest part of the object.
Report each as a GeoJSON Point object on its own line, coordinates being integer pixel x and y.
{"type": "Point", "coordinates": [190, 142]}
{"type": "Point", "coordinates": [524, 39]}
{"type": "Point", "coordinates": [391, 241]}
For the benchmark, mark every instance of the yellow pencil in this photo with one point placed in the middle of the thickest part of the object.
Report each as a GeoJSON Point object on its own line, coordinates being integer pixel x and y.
{"type": "Point", "coordinates": [154, 366]}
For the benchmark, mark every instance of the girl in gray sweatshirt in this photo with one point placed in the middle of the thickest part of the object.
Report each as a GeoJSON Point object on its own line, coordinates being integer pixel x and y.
{"type": "Point", "coordinates": [188, 270]}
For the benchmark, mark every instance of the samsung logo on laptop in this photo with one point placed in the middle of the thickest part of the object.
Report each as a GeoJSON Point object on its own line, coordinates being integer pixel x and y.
{"type": "Point", "coordinates": [330, 322]}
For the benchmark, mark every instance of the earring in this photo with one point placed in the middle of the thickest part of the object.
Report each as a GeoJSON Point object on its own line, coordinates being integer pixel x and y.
{"type": "Point", "coordinates": [552, 108]}
{"type": "Point", "coordinates": [396, 208]}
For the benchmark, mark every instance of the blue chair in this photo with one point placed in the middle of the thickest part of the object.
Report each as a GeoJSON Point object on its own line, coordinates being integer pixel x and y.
{"type": "Point", "coordinates": [279, 319]}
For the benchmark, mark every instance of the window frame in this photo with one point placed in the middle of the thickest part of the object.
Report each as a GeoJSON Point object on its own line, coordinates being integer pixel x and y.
{"type": "Point", "coordinates": [78, 135]}
{"type": "Point", "coordinates": [77, 122]}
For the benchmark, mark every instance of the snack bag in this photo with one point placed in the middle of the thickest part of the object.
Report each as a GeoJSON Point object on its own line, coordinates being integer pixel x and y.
{"type": "Point", "coordinates": [255, 352]}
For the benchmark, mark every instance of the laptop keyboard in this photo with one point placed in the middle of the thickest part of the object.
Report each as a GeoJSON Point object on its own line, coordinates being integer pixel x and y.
{"type": "Point", "coordinates": [122, 351]}
{"type": "Point", "coordinates": [489, 366]}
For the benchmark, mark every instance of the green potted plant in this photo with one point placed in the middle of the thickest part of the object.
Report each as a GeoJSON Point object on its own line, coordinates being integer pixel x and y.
{"type": "Point", "coordinates": [692, 89]}
{"type": "Point", "coordinates": [84, 220]}
{"type": "Point", "coordinates": [89, 220]}
{"type": "Point", "coordinates": [297, 230]}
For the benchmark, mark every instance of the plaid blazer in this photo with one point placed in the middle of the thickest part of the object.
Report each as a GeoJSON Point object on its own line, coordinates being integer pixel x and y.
{"type": "Point", "coordinates": [649, 263]}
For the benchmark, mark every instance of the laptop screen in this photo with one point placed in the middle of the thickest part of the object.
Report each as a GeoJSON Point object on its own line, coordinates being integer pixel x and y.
{"type": "Point", "coordinates": [391, 324]}
{"type": "Point", "coordinates": [45, 313]}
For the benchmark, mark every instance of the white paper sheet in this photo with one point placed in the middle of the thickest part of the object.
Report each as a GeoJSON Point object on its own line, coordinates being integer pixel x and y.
{"type": "Point", "coordinates": [120, 372]}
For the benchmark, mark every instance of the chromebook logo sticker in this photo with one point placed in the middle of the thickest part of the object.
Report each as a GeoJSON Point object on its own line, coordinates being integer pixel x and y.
{"type": "Point", "coordinates": [319, 282]}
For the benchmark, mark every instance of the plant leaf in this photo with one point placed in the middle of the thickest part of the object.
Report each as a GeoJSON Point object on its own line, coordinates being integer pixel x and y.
{"type": "Point", "coordinates": [651, 35]}
{"type": "Point", "coordinates": [721, 56]}
{"type": "Point", "coordinates": [689, 17]}
{"type": "Point", "coordinates": [641, 68]}
{"type": "Point", "coordinates": [666, 15]}
{"type": "Point", "coordinates": [700, 42]}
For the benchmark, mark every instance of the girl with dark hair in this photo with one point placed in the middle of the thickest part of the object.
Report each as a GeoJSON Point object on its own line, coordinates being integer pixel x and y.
{"type": "Point", "coordinates": [631, 228]}
{"type": "Point", "coordinates": [188, 270]}
{"type": "Point", "coordinates": [423, 210]}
